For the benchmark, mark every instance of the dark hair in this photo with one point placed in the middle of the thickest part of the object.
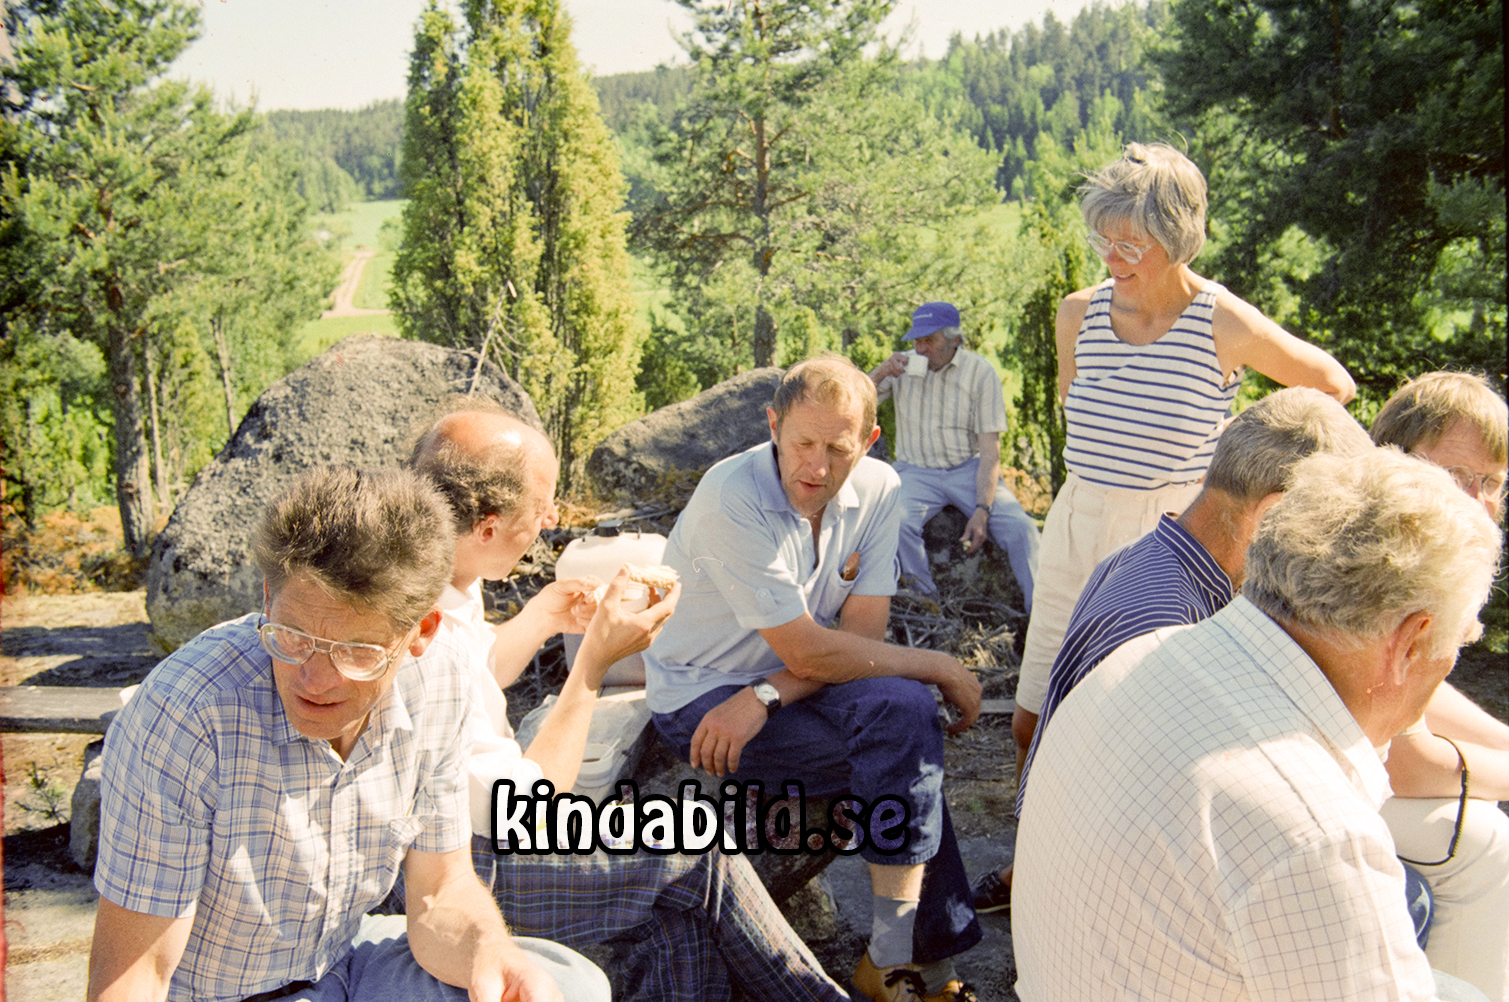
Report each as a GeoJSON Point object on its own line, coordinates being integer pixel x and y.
{"type": "Point", "coordinates": [376, 538]}
{"type": "Point", "coordinates": [475, 486]}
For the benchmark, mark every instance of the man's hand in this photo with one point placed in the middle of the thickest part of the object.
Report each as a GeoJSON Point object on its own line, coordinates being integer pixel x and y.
{"type": "Point", "coordinates": [507, 974]}
{"type": "Point", "coordinates": [893, 366]}
{"type": "Point", "coordinates": [729, 726]}
{"type": "Point", "coordinates": [962, 690]}
{"type": "Point", "coordinates": [614, 634]}
{"type": "Point", "coordinates": [566, 605]}
{"type": "Point", "coordinates": [974, 532]}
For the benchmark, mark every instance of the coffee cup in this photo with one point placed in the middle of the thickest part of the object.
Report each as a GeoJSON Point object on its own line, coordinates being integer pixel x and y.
{"type": "Point", "coordinates": [916, 365]}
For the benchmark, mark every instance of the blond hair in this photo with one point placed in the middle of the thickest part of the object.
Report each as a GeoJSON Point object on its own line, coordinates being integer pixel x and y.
{"type": "Point", "coordinates": [1425, 408]}
{"type": "Point", "coordinates": [829, 378]}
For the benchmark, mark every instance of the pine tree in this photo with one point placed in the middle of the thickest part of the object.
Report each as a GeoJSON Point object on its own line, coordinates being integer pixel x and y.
{"type": "Point", "coordinates": [109, 185]}
{"type": "Point", "coordinates": [513, 238]}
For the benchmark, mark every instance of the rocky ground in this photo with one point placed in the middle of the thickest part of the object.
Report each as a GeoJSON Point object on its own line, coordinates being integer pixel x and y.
{"type": "Point", "coordinates": [103, 639]}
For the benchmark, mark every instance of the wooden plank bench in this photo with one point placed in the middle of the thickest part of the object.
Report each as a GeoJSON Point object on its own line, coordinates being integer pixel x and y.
{"type": "Point", "coordinates": [71, 709]}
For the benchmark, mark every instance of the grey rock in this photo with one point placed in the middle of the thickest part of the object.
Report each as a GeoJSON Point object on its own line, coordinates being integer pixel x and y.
{"type": "Point", "coordinates": [685, 437]}
{"type": "Point", "coordinates": [362, 403]}
{"type": "Point", "coordinates": [84, 820]}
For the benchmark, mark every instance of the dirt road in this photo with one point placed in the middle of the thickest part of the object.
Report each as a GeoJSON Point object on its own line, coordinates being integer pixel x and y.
{"type": "Point", "coordinates": [345, 293]}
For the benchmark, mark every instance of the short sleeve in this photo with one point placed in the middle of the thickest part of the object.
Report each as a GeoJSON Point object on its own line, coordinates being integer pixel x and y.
{"type": "Point", "coordinates": [1330, 922]}
{"type": "Point", "coordinates": [990, 401]}
{"type": "Point", "coordinates": [443, 793]}
{"type": "Point", "coordinates": [739, 549]}
{"type": "Point", "coordinates": [886, 388]}
{"type": "Point", "coordinates": [877, 545]}
{"type": "Point", "coordinates": [158, 790]}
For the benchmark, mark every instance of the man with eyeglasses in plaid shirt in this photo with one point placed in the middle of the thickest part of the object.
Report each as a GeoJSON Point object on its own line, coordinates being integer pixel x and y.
{"type": "Point", "coordinates": [265, 784]}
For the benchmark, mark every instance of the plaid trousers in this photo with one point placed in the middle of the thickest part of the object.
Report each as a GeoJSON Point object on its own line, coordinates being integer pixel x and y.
{"type": "Point", "coordinates": [693, 921]}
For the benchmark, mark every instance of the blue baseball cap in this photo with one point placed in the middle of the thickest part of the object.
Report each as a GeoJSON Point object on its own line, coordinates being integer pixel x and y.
{"type": "Point", "coordinates": [930, 318]}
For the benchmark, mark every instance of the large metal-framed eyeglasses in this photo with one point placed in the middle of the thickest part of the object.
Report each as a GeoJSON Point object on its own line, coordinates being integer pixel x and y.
{"type": "Point", "coordinates": [358, 662]}
{"type": "Point", "coordinates": [1130, 252]}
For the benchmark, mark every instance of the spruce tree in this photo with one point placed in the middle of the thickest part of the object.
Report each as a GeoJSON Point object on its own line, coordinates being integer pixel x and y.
{"type": "Point", "coordinates": [513, 238]}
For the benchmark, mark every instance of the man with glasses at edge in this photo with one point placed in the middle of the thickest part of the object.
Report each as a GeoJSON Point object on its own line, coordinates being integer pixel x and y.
{"type": "Point", "coordinates": [267, 781]}
{"type": "Point", "coordinates": [1449, 768]}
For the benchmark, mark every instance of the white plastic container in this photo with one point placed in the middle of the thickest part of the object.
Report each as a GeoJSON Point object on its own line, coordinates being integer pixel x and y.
{"type": "Point", "coordinates": [601, 555]}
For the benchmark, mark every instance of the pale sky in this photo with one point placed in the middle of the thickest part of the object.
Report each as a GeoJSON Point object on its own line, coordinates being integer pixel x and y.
{"type": "Point", "coordinates": [347, 53]}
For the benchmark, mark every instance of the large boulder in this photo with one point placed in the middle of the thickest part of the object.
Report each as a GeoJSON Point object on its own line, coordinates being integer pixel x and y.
{"type": "Point", "coordinates": [363, 403]}
{"type": "Point", "coordinates": [685, 437]}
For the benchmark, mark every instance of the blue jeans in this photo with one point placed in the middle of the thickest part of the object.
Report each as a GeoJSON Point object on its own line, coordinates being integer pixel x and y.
{"type": "Point", "coordinates": [872, 737]}
{"type": "Point", "coordinates": [380, 968]}
{"type": "Point", "coordinates": [925, 492]}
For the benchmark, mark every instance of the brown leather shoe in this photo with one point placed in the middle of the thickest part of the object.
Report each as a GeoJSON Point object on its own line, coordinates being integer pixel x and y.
{"type": "Point", "coordinates": [886, 984]}
{"type": "Point", "coordinates": [954, 991]}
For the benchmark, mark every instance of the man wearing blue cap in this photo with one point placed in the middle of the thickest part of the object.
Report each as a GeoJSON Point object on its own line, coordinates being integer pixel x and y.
{"type": "Point", "coordinates": [949, 420]}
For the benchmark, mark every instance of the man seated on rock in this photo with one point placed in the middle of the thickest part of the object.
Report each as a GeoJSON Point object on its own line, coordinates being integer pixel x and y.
{"type": "Point", "coordinates": [777, 546]}
{"type": "Point", "coordinates": [265, 784]}
{"type": "Point", "coordinates": [949, 420]}
{"type": "Point", "coordinates": [1448, 770]}
{"type": "Point", "coordinates": [1188, 567]}
{"type": "Point", "coordinates": [1203, 817]}
{"type": "Point", "coordinates": [697, 923]}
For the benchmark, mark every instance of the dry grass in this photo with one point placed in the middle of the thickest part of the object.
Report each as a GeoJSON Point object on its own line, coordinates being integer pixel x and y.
{"type": "Point", "coordinates": [66, 554]}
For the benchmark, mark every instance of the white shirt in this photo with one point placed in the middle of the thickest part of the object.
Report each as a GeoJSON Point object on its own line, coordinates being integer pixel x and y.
{"type": "Point", "coordinates": [494, 753]}
{"type": "Point", "coordinates": [1204, 825]}
{"type": "Point", "coordinates": [940, 415]}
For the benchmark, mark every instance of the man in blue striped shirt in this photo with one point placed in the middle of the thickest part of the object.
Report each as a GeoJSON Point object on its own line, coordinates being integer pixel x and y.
{"type": "Point", "coordinates": [1188, 567]}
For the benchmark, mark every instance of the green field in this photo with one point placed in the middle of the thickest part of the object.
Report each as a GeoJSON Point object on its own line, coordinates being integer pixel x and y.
{"type": "Point", "coordinates": [358, 225]}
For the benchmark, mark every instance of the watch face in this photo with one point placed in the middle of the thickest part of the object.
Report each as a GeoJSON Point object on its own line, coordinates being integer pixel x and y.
{"type": "Point", "coordinates": [767, 693]}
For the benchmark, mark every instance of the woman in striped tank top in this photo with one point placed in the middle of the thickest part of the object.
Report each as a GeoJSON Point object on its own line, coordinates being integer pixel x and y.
{"type": "Point", "coordinates": [1149, 362]}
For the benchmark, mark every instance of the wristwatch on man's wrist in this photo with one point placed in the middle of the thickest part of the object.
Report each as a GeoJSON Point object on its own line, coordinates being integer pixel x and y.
{"type": "Point", "coordinates": [768, 695]}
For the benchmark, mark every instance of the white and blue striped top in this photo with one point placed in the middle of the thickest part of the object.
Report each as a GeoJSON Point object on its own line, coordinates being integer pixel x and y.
{"type": "Point", "coordinates": [1145, 416]}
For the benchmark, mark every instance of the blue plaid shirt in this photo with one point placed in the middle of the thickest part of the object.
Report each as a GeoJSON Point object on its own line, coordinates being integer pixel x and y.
{"type": "Point", "coordinates": [212, 805]}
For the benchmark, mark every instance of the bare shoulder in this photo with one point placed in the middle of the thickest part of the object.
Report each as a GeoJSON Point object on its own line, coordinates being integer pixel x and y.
{"type": "Point", "coordinates": [1236, 317]}
{"type": "Point", "coordinates": [1074, 306]}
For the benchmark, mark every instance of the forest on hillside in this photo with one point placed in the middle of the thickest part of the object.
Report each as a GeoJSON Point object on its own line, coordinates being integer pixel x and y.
{"type": "Point", "coordinates": [623, 242]}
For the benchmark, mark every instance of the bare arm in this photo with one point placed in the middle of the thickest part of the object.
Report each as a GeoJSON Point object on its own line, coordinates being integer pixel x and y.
{"type": "Point", "coordinates": [613, 634]}
{"type": "Point", "coordinates": [457, 935]}
{"type": "Point", "coordinates": [134, 955]}
{"type": "Point", "coordinates": [1071, 313]}
{"type": "Point", "coordinates": [893, 366]}
{"type": "Point", "coordinates": [564, 606]}
{"type": "Point", "coordinates": [1454, 715]}
{"type": "Point", "coordinates": [725, 729]}
{"type": "Point", "coordinates": [987, 475]}
{"type": "Point", "coordinates": [1243, 336]}
{"type": "Point", "coordinates": [1424, 765]}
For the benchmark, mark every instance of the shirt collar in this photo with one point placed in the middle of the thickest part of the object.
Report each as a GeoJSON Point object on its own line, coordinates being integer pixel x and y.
{"type": "Point", "coordinates": [1203, 569]}
{"type": "Point", "coordinates": [1302, 680]}
{"type": "Point", "coordinates": [767, 476]}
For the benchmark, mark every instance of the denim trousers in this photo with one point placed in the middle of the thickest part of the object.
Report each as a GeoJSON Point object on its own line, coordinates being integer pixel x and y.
{"type": "Point", "coordinates": [380, 968]}
{"type": "Point", "coordinates": [873, 738]}
{"type": "Point", "coordinates": [925, 492]}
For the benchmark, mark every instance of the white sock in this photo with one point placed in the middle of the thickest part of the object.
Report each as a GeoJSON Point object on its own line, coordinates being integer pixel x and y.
{"type": "Point", "coordinates": [937, 975]}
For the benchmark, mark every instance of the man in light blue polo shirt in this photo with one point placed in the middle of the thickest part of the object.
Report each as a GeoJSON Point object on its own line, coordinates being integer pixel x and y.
{"type": "Point", "coordinates": [748, 680]}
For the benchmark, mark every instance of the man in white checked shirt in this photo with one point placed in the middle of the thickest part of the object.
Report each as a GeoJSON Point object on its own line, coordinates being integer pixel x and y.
{"type": "Point", "coordinates": [949, 420]}
{"type": "Point", "coordinates": [268, 779]}
{"type": "Point", "coordinates": [1204, 819]}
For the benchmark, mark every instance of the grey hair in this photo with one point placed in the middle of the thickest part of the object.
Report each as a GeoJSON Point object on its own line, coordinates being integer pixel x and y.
{"type": "Point", "coordinates": [1155, 190]}
{"type": "Point", "coordinates": [378, 539]}
{"type": "Point", "coordinates": [1360, 542]}
{"type": "Point", "coordinates": [1258, 450]}
{"type": "Point", "coordinates": [951, 333]}
{"type": "Point", "coordinates": [1425, 408]}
